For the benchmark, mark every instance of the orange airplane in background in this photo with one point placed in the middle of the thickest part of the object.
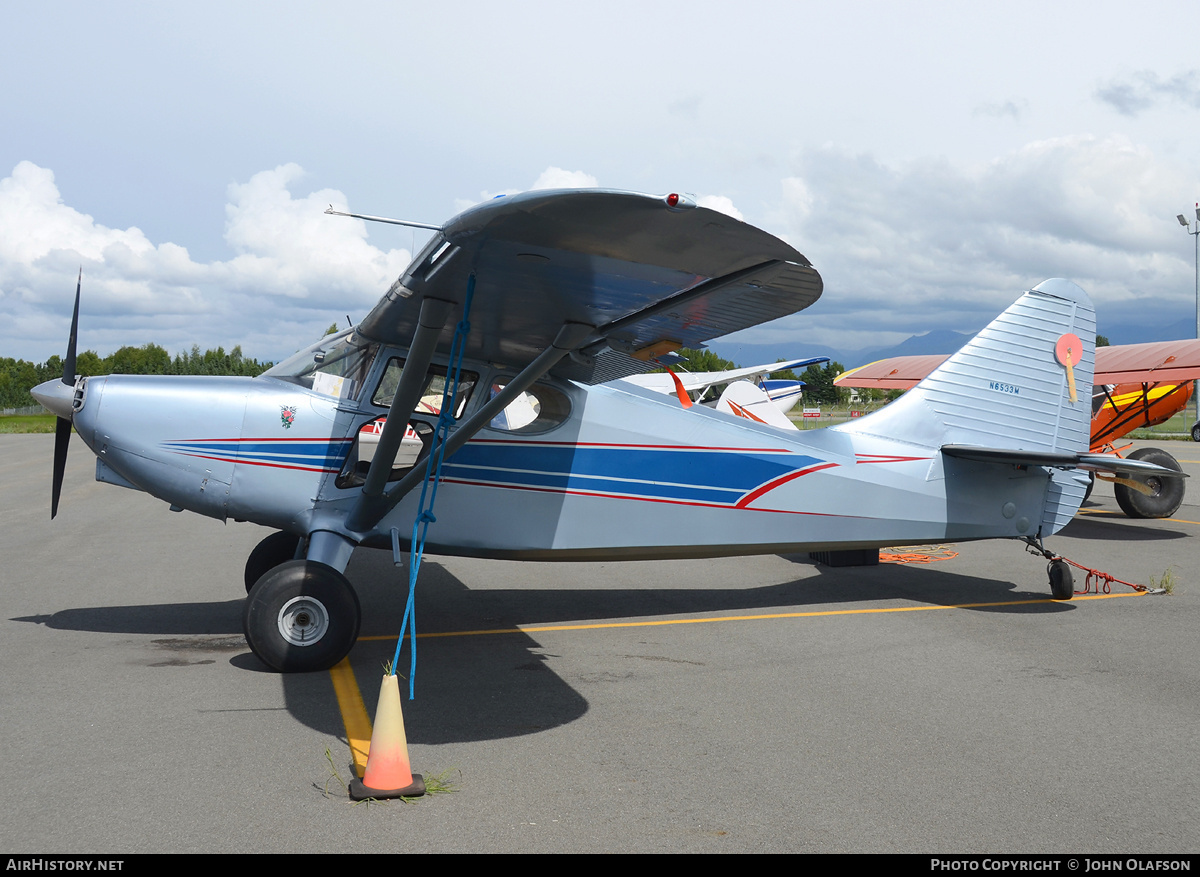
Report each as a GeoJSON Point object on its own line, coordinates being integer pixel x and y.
{"type": "Point", "coordinates": [1136, 386]}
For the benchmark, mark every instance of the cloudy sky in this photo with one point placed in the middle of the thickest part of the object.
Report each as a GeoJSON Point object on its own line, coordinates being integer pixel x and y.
{"type": "Point", "coordinates": [932, 159]}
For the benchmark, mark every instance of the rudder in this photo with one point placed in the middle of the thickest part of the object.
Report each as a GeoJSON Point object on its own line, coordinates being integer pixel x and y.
{"type": "Point", "coordinates": [1006, 388]}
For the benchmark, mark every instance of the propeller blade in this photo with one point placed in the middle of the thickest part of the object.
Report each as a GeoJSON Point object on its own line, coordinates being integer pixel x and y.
{"type": "Point", "coordinates": [69, 363]}
{"type": "Point", "coordinates": [62, 439]}
{"type": "Point", "coordinates": [62, 426]}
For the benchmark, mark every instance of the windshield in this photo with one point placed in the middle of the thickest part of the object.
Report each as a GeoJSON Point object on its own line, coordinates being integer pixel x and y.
{"type": "Point", "coordinates": [336, 365]}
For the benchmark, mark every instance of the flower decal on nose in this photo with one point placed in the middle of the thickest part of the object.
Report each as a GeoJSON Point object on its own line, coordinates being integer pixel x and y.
{"type": "Point", "coordinates": [287, 416]}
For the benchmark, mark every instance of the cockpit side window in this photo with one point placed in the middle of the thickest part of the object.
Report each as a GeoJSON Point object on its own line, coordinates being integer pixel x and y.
{"type": "Point", "coordinates": [538, 409]}
{"type": "Point", "coordinates": [337, 365]}
{"type": "Point", "coordinates": [431, 395]}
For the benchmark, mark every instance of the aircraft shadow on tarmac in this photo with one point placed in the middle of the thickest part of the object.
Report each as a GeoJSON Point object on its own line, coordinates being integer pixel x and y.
{"type": "Point", "coordinates": [495, 685]}
{"type": "Point", "coordinates": [1106, 528]}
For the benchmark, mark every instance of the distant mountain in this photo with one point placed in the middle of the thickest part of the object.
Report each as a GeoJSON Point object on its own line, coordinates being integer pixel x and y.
{"type": "Point", "coordinates": [937, 341]}
{"type": "Point", "coordinates": [1178, 330]}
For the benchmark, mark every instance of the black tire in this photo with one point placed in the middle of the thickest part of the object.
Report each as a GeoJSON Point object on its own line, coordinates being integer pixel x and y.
{"type": "Point", "coordinates": [1167, 493]}
{"type": "Point", "coordinates": [1062, 582]}
{"type": "Point", "coordinates": [1196, 431]}
{"type": "Point", "coordinates": [275, 549]}
{"type": "Point", "coordinates": [301, 616]}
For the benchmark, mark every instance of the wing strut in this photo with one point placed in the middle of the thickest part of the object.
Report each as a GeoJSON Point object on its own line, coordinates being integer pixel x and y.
{"type": "Point", "coordinates": [570, 336]}
{"type": "Point", "coordinates": [434, 313]}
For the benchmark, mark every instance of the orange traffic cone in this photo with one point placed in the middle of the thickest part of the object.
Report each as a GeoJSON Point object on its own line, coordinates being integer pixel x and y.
{"type": "Point", "coordinates": [389, 773]}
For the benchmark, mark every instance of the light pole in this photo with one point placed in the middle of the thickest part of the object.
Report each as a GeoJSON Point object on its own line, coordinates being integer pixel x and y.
{"type": "Point", "coordinates": [1196, 238]}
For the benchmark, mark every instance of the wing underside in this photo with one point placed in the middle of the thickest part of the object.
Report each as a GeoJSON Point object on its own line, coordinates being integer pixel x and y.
{"type": "Point", "coordinates": [645, 276]}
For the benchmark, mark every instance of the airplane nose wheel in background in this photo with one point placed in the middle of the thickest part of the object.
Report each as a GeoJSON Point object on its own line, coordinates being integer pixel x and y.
{"type": "Point", "coordinates": [301, 616]}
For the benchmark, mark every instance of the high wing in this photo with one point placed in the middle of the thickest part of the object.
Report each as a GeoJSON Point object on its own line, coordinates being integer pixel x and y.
{"type": "Point", "coordinates": [897, 373]}
{"type": "Point", "coordinates": [1154, 362]}
{"type": "Point", "coordinates": [646, 274]}
{"type": "Point", "coordinates": [1162, 362]}
{"type": "Point", "coordinates": [698, 381]}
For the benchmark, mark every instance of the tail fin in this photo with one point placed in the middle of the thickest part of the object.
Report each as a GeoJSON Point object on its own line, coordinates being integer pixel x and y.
{"type": "Point", "coordinates": [1010, 388]}
{"type": "Point", "coordinates": [1006, 388]}
{"type": "Point", "coordinates": [746, 400]}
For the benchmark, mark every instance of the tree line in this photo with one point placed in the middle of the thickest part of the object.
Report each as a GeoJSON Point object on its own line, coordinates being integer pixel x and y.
{"type": "Point", "coordinates": [19, 376]}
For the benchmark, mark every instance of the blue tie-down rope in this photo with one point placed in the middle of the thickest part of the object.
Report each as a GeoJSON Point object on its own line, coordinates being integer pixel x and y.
{"type": "Point", "coordinates": [433, 467]}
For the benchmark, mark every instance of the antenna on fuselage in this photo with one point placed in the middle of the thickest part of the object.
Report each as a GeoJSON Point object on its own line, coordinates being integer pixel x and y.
{"type": "Point", "coordinates": [404, 222]}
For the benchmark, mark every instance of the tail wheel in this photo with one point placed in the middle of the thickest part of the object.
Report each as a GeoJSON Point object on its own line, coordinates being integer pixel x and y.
{"type": "Point", "coordinates": [1062, 582]}
{"type": "Point", "coordinates": [301, 616]}
{"type": "Point", "coordinates": [271, 552]}
{"type": "Point", "coordinates": [1166, 493]}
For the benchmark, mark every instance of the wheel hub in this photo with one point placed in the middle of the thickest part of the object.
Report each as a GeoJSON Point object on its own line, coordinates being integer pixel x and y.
{"type": "Point", "coordinates": [303, 621]}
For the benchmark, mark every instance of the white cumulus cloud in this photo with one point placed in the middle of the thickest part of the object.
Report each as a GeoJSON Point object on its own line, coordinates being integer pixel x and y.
{"type": "Point", "coordinates": [721, 204]}
{"type": "Point", "coordinates": [557, 178]}
{"type": "Point", "coordinates": [294, 269]}
{"type": "Point", "coordinates": [904, 248]}
{"type": "Point", "coordinates": [551, 178]}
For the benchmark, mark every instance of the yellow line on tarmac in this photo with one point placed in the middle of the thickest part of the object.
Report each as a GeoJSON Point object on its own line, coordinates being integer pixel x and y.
{"type": "Point", "coordinates": [354, 713]}
{"type": "Point", "coordinates": [358, 723]}
{"type": "Point", "coordinates": [661, 623]}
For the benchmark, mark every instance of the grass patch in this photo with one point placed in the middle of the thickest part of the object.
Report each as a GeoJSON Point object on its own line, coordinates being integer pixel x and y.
{"type": "Point", "coordinates": [830, 416]}
{"type": "Point", "coordinates": [1178, 428]}
{"type": "Point", "coordinates": [440, 784]}
{"type": "Point", "coordinates": [333, 774]}
{"type": "Point", "coordinates": [1166, 583]}
{"type": "Point", "coordinates": [11, 424]}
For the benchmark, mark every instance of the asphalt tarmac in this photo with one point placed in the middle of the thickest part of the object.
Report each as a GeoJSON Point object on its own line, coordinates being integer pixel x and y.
{"type": "Point", "coordinates": [948, 707]}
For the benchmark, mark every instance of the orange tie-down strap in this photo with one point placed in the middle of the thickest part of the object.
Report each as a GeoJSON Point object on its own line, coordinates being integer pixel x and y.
{"type": "Point", "coordinates": [916, 554]}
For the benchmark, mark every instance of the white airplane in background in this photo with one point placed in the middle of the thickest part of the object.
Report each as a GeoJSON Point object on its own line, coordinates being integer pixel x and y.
{"type": "Point", "coordinates": [783, 393]}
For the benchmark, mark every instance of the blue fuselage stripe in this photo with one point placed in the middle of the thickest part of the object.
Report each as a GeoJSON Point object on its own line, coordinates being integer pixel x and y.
{"type": "Point", "coordinates": [686, 475]}
{"type": "Point", "coordinates": [320, 453]}
{"type": "Point", "coordinates": [678, 474]}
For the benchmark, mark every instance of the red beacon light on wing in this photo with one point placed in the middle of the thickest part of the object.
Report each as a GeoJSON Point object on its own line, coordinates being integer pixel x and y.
{"type": "Point", "coordinates": [677, 202]}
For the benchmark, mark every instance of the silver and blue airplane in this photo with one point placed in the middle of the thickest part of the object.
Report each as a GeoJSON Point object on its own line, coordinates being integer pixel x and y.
{"type": "Point", "coordinates": [548, 456]}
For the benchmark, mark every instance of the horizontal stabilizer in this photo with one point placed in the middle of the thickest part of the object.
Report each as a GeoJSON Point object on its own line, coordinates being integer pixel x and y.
{"type": "Point", "coordinates": [1087, 462]}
